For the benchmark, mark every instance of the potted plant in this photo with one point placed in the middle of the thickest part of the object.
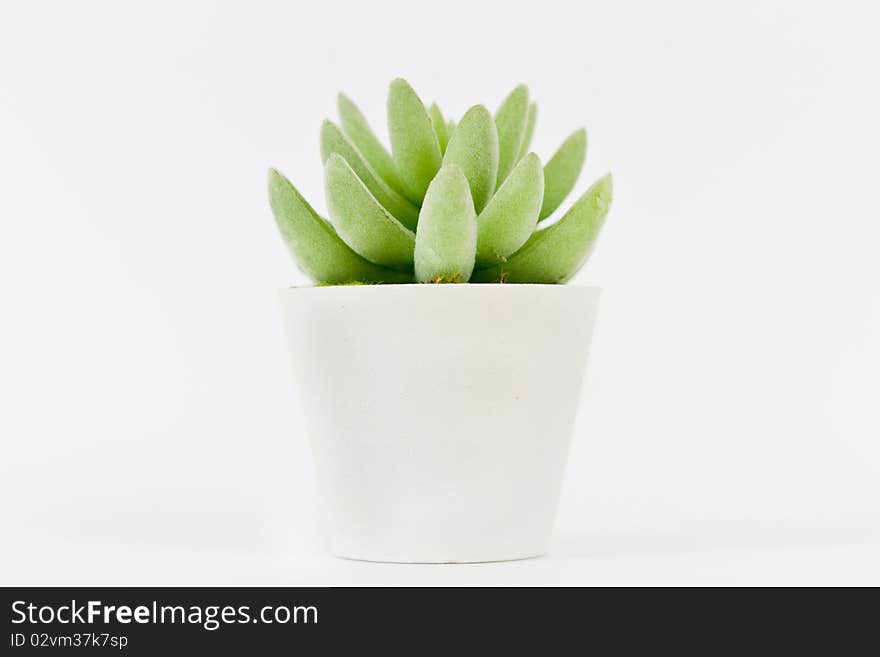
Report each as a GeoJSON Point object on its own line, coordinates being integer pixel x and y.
{"type": "Point", "coordinates": [440, 411]}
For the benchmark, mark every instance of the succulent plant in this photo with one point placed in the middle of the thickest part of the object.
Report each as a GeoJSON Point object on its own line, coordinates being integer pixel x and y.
{"type": "Point", "coordinates": [451, 203]}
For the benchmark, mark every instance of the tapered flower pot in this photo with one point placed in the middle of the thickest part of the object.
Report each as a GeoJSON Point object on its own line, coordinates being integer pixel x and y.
{"type": "Point", "coordinates": [440, 416]}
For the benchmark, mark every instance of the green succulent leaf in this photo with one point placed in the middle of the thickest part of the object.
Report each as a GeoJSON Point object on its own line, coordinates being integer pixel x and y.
{"type": "Point", "coordinates": [511, 119]}
{"type": "Point", "coordinates": [449, 201]}
{"type": "Point", "coordinates": [446, 238]}
{"type": "Point", "coordinates": [474, 149]}
{"type": "Point", "coordinates": [439, 125]}
{"type": "Point", "coordinates": [315, 246]}
{"type": "Point", "coordinates": [334, 141]}
{"type": "Point", "coordinates": [356, 128]}
{"type": "Point", "coordinates": [362, 222]}
{"type": "Point", "coordinates": [555, 254]}
{"type": "Point", "coordinates": [530, 130]}
{"type": "Point", "coordinates": [510, 218]}
{"type": "Point", "coordinates": [562, 170]}
{"type": "Point", "coordinates": [414, 145]}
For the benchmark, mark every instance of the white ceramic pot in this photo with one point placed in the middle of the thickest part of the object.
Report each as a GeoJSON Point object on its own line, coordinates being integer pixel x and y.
{"type": "Point", "coordinates": [439, 415]}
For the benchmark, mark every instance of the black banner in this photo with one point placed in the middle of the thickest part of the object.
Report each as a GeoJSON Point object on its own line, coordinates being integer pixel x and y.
{"type": "Point", "coordinates": [171, 621]}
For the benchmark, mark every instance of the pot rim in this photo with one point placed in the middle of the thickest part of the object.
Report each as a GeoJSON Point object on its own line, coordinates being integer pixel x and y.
{"type": "Point", "coordinates": [299, 289]}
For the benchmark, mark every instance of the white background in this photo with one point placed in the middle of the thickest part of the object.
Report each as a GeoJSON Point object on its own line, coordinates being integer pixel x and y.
{"type": "Point", "coordinates": [729, 430]}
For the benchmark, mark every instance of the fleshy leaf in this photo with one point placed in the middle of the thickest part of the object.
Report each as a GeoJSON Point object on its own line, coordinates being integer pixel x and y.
{"type": "Point", "coordinates": [333, 141]}
{"type": "Point", "coordinates": [511, 119]}
{"type": "Point", "coordinates": [450, 129]}
{"type": "Point", "coordinates": [439, 125]}
{"type": "Point", "coordinates": [356, 128]}
{"type": "Point", "coordinates": [446, 239]}
{"type": "Point", "coordinates": [510, 218]}
{"type": "Point", "coordinates": [361, 222]}
{"type": "Point", "coordinates": [317, 249]}
{"type": "Point", "coordinates": [414, 145]}
{"type": "Point", "coordinates": [474, 148]}
{"type": "Point", "coordinates": [530, 130]}
{"type": "Point", "coordinates": [562, 170]}
{"type": "Point", "coordinates": [555, 254]}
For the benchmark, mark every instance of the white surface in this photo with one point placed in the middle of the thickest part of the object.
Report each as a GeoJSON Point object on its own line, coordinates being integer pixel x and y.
{"type": "Point", "coordinates": [147, 428]}
{"type": "Point", "coordinates": [770, 556]}
{"type": "Point", "coordinates": [440, 416]}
